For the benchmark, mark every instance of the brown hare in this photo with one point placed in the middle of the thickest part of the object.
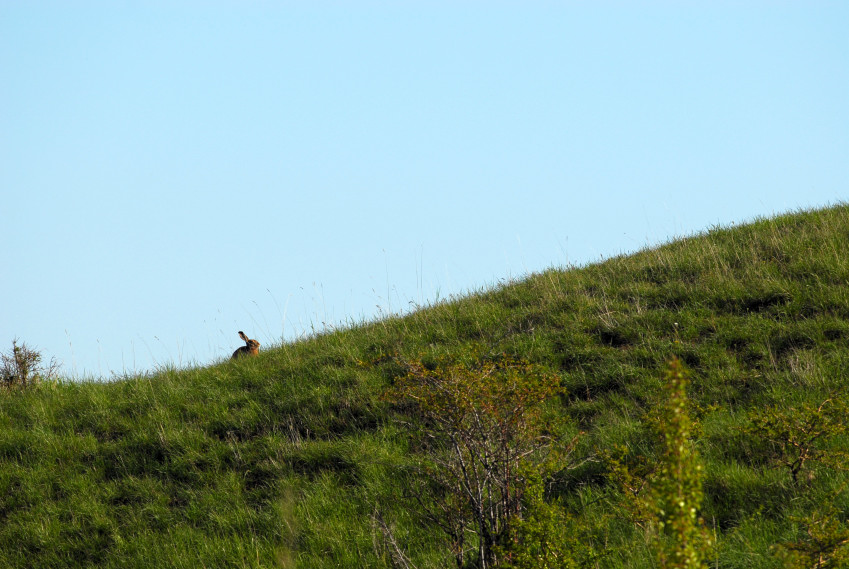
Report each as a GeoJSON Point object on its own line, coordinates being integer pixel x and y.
{"type": "Point", "coordinates": [251, 347]}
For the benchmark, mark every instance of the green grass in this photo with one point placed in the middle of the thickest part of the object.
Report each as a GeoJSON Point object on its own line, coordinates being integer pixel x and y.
{"type": "Point", "coordinates": [283, 460]}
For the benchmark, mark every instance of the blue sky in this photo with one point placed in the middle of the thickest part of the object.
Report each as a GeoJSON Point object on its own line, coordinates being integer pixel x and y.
{"type": "Point", "coordinates": [173, 172]}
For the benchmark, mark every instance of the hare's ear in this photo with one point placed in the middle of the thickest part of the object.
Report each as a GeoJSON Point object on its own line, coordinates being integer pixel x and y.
{"type": "Point", "coordinates": [242, 336]}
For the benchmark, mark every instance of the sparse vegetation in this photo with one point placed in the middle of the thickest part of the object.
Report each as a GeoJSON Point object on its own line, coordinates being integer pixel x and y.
{"type": "Point", "coordinates": [22, 367]}
{"type": "Point", "coordinates": [284, 459]}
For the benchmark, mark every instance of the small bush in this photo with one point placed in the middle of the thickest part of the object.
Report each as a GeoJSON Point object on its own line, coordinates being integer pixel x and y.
{"type": "Point", "coordinates": [545, 537]}
{"type": "Point", "coordinates": [481, 425]}
{"type": "Point", "coordinates": [823, 546]}
{"type": "Point", "coordinates": [798, 436]}
{"type": "Point", "coordinates": [22, 367]}
{"type": "Point", "coordinates": [631, 475]}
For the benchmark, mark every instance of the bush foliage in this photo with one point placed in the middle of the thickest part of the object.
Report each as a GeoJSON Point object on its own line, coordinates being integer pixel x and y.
{"type": "Point", "coordinates": [479, 426]}
{"type": "Point", "coordinates": [677, 486]}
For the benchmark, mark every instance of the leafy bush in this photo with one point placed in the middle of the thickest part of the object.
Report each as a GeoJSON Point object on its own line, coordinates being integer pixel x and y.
{"type": "Point", "coordinates": [824, 545]}
{"type": "Point", "coordinates": [545, 537]}
{"type": "Point", "coordinates": [796, 435]}
{"type": "Point", "coordinates": [479, 424]}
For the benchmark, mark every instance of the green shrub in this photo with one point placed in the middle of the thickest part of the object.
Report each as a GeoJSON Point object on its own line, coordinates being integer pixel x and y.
{"type": "Point", "coordinates": [479, 425]}
{"type": "Point", "coordinates": [683, 542]}
{"type": "Point", "coordinates": [823, 546]}
{"type": "Point", "coordinates": [545, 537]}
{"type": "Point", "coordinates": [796, 436]}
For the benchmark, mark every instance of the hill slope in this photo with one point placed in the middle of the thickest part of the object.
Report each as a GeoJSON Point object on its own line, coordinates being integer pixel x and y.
{"type": "Point", "coordinates": [284, 459]}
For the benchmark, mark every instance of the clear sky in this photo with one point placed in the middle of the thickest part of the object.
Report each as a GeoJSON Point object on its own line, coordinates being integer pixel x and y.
{"type": "Point", "coordinates": [173, 172]}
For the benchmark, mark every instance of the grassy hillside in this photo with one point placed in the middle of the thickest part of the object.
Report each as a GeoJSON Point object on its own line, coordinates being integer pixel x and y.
{"type": "Point", "coordinates": [284, 460]}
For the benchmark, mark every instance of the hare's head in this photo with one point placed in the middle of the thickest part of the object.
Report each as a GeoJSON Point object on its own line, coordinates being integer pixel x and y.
{"type": "Point", "coordinates": [251, 347]}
